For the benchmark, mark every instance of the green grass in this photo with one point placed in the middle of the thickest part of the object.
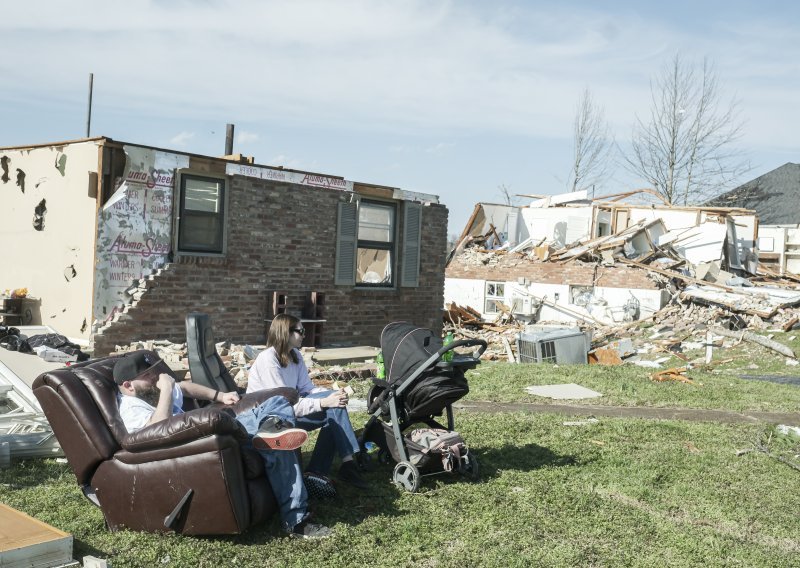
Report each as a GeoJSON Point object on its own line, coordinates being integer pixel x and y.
{"type": "Point", "coordinates": [620, 492]}
{"type": "Point", "coordinates": [629, 385]}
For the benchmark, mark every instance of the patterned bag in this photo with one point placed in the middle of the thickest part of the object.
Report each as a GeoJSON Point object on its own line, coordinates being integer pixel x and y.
{"type": "Point", "coordinates": [450, 445]}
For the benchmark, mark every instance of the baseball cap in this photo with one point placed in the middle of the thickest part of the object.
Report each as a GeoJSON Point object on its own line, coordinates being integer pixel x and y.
{"type": "Point", "coordinates": [138, 364]}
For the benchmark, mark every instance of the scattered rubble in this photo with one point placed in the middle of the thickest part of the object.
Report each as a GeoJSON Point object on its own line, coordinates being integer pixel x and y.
{"type": "Point", "coordinates": [238, 359]}
{"type": "Point", "coordinates": [714, 285]}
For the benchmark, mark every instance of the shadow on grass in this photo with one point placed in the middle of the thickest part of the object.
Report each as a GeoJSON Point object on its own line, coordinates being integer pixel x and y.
{"type": "Point", "coordinates": [522, 458]}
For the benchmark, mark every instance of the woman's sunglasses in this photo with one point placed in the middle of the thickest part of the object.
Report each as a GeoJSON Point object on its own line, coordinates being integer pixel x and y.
{"type": "Point", "coordinates": [301, 331]}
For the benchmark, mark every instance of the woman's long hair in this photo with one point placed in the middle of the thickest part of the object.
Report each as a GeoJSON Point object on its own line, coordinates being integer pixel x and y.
{"type": "Point", "coordinates": [278, 337]}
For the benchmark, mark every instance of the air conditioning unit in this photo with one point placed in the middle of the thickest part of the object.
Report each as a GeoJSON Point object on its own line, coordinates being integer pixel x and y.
{"type": "Point", "coordinates": [523, 305]}
{"type": "Point", "coordinates": [562, 346]}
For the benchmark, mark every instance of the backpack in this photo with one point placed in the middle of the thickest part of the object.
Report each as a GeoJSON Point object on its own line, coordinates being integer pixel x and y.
{"type": "Point", "coordinates": [450, 445]}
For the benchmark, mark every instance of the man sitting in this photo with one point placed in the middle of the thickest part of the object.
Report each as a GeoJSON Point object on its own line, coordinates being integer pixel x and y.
{"type": "Point", "coordinates": [149, 394]}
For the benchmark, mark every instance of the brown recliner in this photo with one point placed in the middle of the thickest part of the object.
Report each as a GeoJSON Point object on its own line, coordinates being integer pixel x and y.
{"type": "Point", "coordinates": [187, 474]}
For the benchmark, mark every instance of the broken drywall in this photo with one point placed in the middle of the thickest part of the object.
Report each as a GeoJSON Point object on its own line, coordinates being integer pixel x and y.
{"type": "Point", "coordinates": [134, 227]}
{"type": "Point", "coordinates": [38, 215]}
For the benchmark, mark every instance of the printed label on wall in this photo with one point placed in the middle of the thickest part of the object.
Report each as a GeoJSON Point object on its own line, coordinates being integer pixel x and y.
{"type": "Point", "coordinates": [275, 174]}
{"type": "Point", "coordinates": [134, 227]}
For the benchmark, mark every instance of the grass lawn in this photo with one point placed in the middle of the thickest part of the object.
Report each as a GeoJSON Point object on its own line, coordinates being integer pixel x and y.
{"type": "Point", "coordinates": [620, 492]}
{"type": "Point", "coordinates": [628, 385]}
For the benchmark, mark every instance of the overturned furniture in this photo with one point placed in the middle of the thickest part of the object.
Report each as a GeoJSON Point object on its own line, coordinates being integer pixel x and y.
{"type": "Point", "coordinates": [187, 474]}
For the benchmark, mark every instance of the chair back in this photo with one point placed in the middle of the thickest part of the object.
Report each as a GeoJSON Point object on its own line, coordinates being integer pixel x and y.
{"type": "Point", "coordinates": [80, 404]}
{"type": "Point", "coordinates": [205, 364]}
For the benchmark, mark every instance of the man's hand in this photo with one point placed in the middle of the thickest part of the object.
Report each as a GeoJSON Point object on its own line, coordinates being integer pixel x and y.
{"type": "Point", "coordinates": [228, 397]}
{"type": "Point", "coordinates": [337, 399]}
{"type": "Point", "coordinates": [165, 383]}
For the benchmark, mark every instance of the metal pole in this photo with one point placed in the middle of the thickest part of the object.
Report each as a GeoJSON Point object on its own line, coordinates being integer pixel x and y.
{"type": "Point", "coordinates": [229, 140]}
{"type": "Point", "coordinates": [89, 114]}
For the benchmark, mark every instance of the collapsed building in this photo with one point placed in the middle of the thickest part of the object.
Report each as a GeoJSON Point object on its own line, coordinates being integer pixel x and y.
{"type": "Point", "coordinates": [602, 264]}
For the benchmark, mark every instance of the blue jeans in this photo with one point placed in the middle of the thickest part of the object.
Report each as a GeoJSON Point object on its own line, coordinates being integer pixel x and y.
{"type": "Point", "coordinates": [283, 469]}
{"type": "Point", "coordinates": [335, 435]}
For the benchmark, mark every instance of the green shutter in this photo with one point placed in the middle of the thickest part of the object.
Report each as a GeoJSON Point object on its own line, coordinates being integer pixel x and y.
{"type": "Point", "coordinates": [412, 227]}
{"type": "Point", "coordinates": [346, 241]}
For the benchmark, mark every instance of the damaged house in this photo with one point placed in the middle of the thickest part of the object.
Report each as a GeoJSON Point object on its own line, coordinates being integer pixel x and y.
{"type": "Point", "coordinates": [600, 262]}
{"type": "Point", "coordinates": [118, 242]}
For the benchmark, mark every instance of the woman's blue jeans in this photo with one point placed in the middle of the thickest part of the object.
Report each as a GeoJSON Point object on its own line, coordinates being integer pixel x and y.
{"type": "Point", "coordinates": [283, 470]}
{"type": "Point", "coordinates": [335, 436]}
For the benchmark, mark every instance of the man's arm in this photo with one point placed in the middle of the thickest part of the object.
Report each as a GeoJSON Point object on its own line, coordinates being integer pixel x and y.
{"type": "Point", "coordinates": [163, 411]}
{"type": "Point", "coordinates": [201, 392]}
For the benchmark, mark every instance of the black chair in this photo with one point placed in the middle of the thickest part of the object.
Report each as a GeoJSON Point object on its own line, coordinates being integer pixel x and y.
{"type": "Point", "coordinates": [205, 364]}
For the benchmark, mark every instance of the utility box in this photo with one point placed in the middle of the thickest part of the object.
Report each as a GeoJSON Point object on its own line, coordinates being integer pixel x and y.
{"type": "Point", "coordinates": [562, 346]}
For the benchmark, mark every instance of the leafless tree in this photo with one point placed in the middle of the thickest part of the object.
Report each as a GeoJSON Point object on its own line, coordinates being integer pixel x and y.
{"type": "Point", "coordinates": [687, 150]}
{"type": "Point", "coordinates": [592, 144]}
{"type": "Point", "coordinates": [508, 199]}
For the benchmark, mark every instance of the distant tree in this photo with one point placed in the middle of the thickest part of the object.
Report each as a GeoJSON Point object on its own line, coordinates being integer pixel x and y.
{"type": "Point", "coordinates": [593, 145]}
{"type": "Point", "coordinates": [508, 199]}
{"type": "Point", "coordinates": [687, 149]}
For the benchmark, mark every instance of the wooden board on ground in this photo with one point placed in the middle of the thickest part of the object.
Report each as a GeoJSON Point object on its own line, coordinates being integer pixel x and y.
{"type": "Point", "coordinates": [24, 541]}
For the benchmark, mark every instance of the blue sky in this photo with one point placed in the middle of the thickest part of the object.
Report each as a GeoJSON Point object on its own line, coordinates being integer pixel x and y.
{"type": "Point", "coordinates": [450, 98]}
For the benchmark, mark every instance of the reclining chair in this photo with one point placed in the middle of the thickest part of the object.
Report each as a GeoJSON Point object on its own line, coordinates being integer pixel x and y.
{"type": "Point", "coordinates": [187, 474]}
{"type": "Point", "coordinates": [205, 364]}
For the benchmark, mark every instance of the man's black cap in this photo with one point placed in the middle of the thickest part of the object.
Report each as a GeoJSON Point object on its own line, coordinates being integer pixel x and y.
{"type": "Point", "coordinates": [136, 363]}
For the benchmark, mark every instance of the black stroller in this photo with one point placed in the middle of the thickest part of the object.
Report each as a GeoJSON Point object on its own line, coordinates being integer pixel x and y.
{"type": "Point", "coordinates": [423, 379]}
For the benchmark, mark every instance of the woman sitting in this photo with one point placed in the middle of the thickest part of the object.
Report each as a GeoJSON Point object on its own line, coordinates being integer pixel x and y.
{"type": "Point", "coordinates": [282, 365]}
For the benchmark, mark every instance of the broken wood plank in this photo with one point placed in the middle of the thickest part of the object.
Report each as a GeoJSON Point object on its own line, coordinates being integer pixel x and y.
{"type": "Point", "coordinates": [760, 340]}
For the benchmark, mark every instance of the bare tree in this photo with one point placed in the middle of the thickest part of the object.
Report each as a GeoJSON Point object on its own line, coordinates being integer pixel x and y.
{"type": "Point", "coordinates": [508, 199]}
{"type": "Point", "coordinates": [687, 150]}
{"type": "Point", "coordinates": [592, 145]}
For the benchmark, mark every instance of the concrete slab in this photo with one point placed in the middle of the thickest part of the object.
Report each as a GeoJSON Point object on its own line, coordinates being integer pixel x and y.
{"type": "Point", "coordinates": [569, 391]}
{"type": "Point", "coordinates": [342, 355]}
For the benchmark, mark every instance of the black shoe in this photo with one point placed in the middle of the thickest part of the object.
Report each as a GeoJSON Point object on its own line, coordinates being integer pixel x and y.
{"type": "Point", "coordinates": [318, 486]}
{"type": "Point", "coordinates": [306, 529]}
{"type": "Point", "coordinates": [348, 473]}
{"type": "Point", "coordinates": [276, 434]}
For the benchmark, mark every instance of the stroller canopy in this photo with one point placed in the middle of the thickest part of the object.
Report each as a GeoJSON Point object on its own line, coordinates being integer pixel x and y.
{"type": "Point", "coordinates": [405, 347]}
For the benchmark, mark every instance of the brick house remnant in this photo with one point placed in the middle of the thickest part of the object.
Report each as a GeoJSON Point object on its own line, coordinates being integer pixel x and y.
{"type": "Point", "coordinates": [136, 237]}
{"type": "Point", "coordinates": [569, 259]}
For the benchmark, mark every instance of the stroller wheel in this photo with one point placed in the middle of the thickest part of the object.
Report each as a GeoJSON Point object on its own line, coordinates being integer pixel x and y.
{"type": "Point", "coordinates": [469, 466]}
{"type": "Point", "coordinates": [406, 476]}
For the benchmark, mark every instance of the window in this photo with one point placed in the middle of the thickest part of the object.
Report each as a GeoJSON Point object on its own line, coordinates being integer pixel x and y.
{"type": "Point", "coordinates": [495, 292]}
{"type": "Point", "coordinates": [368, 253]}
{"type": "Point", "coordinates": [580, 295]}
{"type": "Point", "coordinates": [375, 248]}
{"type": "Point", "coordinates": [201, 222]}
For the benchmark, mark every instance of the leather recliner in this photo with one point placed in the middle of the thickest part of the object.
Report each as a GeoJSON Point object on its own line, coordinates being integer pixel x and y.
{"type": "Point", "coordinates": [205, 364]}
{"type": "Point", "coordinates": [186, 474]}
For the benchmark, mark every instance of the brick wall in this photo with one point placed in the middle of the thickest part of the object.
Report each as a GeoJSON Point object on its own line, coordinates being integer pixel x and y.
{"type": "Point", "coordinates": [510, 267]}
{"type": "Point", "coordinates": [282, 237]}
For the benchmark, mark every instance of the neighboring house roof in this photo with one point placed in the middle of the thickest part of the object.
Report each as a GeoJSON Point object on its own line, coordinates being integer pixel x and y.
{"type": "Point", "coordinates": [775, 196]}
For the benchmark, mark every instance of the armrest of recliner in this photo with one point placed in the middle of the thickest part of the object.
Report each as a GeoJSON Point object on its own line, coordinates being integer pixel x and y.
{"type": "Point", "coordinates": [183, 428]}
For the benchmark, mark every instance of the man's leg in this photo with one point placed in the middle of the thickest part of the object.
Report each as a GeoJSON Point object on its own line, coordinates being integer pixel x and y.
{"type": "Point", "coordinates": [283, 470]}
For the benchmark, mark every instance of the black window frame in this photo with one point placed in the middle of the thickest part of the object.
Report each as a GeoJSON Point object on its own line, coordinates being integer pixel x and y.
{"type": "Point", "coordinates": [219, 247]}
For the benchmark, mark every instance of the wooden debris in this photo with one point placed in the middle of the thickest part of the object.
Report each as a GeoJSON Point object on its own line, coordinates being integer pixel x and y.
{"type": "Point", "coordinates": [760, 340]}
{"type": "Point", "coordinates": [673, 374]}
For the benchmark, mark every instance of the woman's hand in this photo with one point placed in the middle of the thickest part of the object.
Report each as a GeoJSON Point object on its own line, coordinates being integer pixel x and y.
{"type": "Point", "coordinates": [337, 399]}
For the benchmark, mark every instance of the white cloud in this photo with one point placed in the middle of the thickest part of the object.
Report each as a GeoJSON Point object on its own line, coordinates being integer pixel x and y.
{"type": "Point", "coordinates": [181, 139]}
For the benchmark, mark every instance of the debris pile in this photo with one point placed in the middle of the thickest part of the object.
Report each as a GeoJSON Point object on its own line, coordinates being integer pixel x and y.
{"type": "Point", "coordinates": [239, 358]}
{"type": "Point", "coordinates": [710, 278]}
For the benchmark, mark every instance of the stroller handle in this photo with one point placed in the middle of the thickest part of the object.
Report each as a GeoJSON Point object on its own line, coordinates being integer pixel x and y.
{"type": "Point", "coordinates": [464, 343]}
